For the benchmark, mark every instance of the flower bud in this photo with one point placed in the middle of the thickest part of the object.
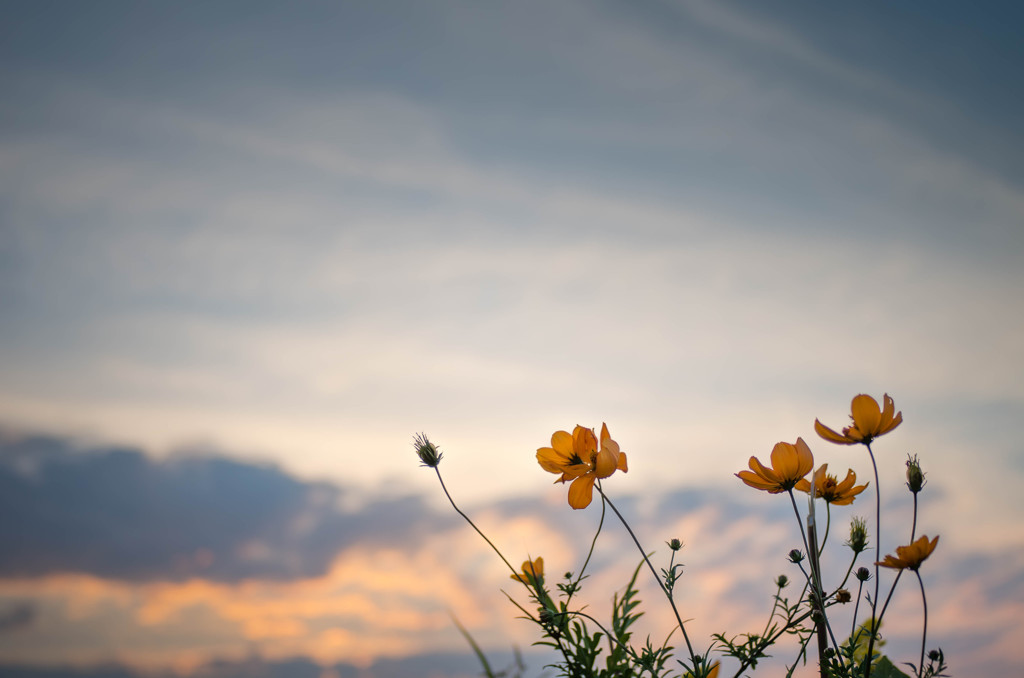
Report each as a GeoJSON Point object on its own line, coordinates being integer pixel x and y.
{"type": "Point", "coordinates": [915, 476]}
{"type": "Point", "coordinates": [858, 535]}
{"type": "Point", "coordinates": [863, 574]}
{"type": "Point", "coordinates": [782, 581]}
{"type": "Point", "coordinates": [935, 655]}
{"type": "Point", "coordinates": [795, 556]}
{"type": "Point", "coordinates": [843, 596]}
{"type": "Point", "coordinates": [426, 451]}
{"type": "Point", "coordinates": [675, 544]}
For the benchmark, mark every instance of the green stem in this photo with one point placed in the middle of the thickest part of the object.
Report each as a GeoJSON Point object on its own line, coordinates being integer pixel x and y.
{"type": "Point", "coordinates": [856, 606]}
{"type": "Point", "coordinates": [924, 632]}
{"type": "Point", "coordinates": [913, 525]}
{"type": "Point", "coordinates": [668, 594]}
{"type": "Point", "coordinates": [828, 526]}
{"type": "Point", "coordinates": [593, 543]}
{"type": "Point", "coordinates": [878, 557]}
{"type": "Point", "coordinates": [472, 524]}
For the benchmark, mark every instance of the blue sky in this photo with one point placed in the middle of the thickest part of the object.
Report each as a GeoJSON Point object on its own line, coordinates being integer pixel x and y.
{"type": "Point", "coordinates": [297, 234]}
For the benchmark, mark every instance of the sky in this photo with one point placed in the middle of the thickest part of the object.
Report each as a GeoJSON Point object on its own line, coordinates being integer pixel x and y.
{"type": "Point", "coordinates": [249, 249]}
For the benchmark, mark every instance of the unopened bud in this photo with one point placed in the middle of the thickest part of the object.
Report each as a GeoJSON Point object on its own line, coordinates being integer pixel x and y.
{"type": "Point", "coordinates": [934, 655]}
{"type": "Point", "coordinates": [782, 581]}
{"type": "Point", "coordinates": [858, 535]}
{"type": "Point", "coordinates": [915, 476]}
{"type": "Point", "coordinates": [863, 574]}
{"type": "Point", "coordinates": [426, 451]}
{"type": "Point", "coordinates": [675, 544]}
{"type": "Point", "coordinates": [795, 556]}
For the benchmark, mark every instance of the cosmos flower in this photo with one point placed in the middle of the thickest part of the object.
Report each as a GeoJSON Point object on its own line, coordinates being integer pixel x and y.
{"type": "Point", "coordinates": [576, 457]}
{"type": "Point", "coordinates": [790, 463]}
{"type": "Point", "coordinates": [533, 572]}
{"type": "Point", "coordinates": [869, 421]}
{"type": "Point", "coordinates": [828, 488]}
{"type": "Point", "coordinates": [912, 555]}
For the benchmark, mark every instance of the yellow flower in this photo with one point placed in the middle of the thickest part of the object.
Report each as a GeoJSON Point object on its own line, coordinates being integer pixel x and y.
{"type": "Point", "coordinates": [912, 555]}
{"type": "Point", "coordinates": [827, 487]}
{"type": "Point", "coordinates": [869, 421]}
{"type": "Point", "coordinates": [790, 463]}
{"type": "Point", "coordinates": [533, 572]}
{"type": "Point", "coordinates": [576, 457]}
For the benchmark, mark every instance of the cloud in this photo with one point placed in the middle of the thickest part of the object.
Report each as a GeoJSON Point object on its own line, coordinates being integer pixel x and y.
{"type": "Point", "coordinates": [17, 616]}
{"type": "Point", "coordinates": [110, 543]}
{"type": "Point", "coordinates": [426, 665]}
{"type": "Point", "coordinates": [118, 514]}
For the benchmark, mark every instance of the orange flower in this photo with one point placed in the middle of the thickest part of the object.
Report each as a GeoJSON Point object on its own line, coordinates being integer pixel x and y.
{"type": "Point", "coordinates": [869, 421]}
{"type": "Point", "coordinates": [533, 572]}
{"type": "Point", "coordinates": [576, 457]}
{"type": "Point", "coordinates": [790, 463]}
{"type": "Point", "coordinates": [912, 555]}
{"type": "Point", "coordinates": [827, 487]}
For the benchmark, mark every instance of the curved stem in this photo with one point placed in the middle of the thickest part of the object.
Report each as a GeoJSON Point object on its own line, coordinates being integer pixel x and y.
{"type": "Point", "coordinates": [878, 558]}
{"type": "Point", "coordinates": [828, 526]}
{"type": "Point", "coordinates": [800, 523]}
{"type": "Point", "coordinates": [924, 632]}
{"type": "Point", "coordinates": [771, 615]}
{"type": "Point", "coordinates": [593, 543]}
{"type": "Point", "coordinates": [876, 622]}
{"type": "Point", "coordinates": [848, 571]}
{"type": "Point", "coordinates": [471, 523]}
{"type": "Point", "coordinates": [668, 594]}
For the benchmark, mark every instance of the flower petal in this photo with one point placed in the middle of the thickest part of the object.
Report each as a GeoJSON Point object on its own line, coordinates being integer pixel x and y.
{"type": "Point", "coordinates": [765, 473]}
{"type": "Point", "coordinates": [581, 492]}
{"type": "Point", "coordinates": [830, 435]}
{"type": "Point", "coordinates": [805, 460]}
{"type": "Point", "coordinates": [866, 415]}
{"type": "Point", "coordinates": [785, 462]}
{"type": "Point", "coordinates": [562, 442]}
{"type": "Point", "coordinates": [551, 460]}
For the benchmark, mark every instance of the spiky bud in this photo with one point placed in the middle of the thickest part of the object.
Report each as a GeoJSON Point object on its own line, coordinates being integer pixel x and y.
{"type": "Point", "coordinates": [426, 450]}
{"type": "Point", "coordinates": [858, 541]}
{"type": "Point", "coordinates": [915, 476]}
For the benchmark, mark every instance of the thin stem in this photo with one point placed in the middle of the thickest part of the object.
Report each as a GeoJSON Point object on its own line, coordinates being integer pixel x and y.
{"type": "Point", "coordinates": [878, 557]}
{"type": "Point", "coordinates": [924, 632]}
{"type": "Point", "coordinates": [816, 583]}
{"type": "Point", "coordinates": [889, 597]}
{"type": "Point", "coordinates": [828, 526]}
{"type": "Point", "coordinates": [876, 622]}
{"type": "Point", "coordinates": [848, 571]}
{"type": "Point", "coordinates": [913, 525]}
{"type": "Point", "coordinates": [771, 616]}
{"type": "Point", "coordinates": [472, 524]}
{"type": "Point", "coordinates": [668, 594]}
{"type": "Point", "coordinates": [800, 523]}
{"type": "Point", "coordinates": [593, 543]}
{"type": "Point", "coordinates": [856, 606]}
{"type": "Point", "coordinates": [819, 602]}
